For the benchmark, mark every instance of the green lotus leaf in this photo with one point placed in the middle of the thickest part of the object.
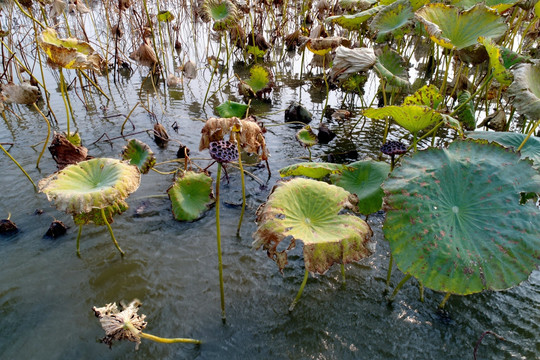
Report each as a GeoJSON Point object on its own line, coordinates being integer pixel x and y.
{"type": "Point", "coordinates": [530, 150]}
{"type": "Point", "coordinates": [191, 195]}
{"type": "Point", "coordinates": [260, 79]}
{"type": "Point", "coordinates": [391, 67]}
{"type": "Point", "coordinates": [511, 58]}
{"type": "Point", "coordinates": [466, 113]}
{"type": "Point", "coordinates": [416, 4]}
{"type": "Point", "coordinates": [96, 217]}
{"type": "Point", "coordinates": [165, 16]}
{"type": "Point", "coordinates": [364, 180]}
{"type": "Point", "coordinates": [230, 109]}
{"type": "Point", "coordinates": [312, 169]}
{"type": "Point", "coordinates": [537, 9]}
{"type": "Point", "coordinates": [140, 155]}
{"type": "Point", "coordinates": [224, 13]}
{"type": "Point", "coordinates": [355, 21]}
{"type": "Point", "coordinates": [309, 211]}
{"type": "Point", "coordinates": [525, 89]}
{"type": "Point", "coordinates": [412, 117]}
{"type": "Point", "coordinates": [503, 76]}
{"type": "Point", "coordinates": [255, 51]}
{"type": "Point", "coordinates": [69, 53]}
{"type": "Point", "coordinates": [427, 95]}
{"type": "Point", "coordinates": [499, 5]}
{"type": "Point", "coordinates": [307, 137]}
{"type": "Point", "coordinates": [393, 18]}
{"type": "Point", "coordinates": [454, 219]}
{"type": "Point", "coordinates": [92, 184]}
{"type": "Point", "coordinates": [455, 29]}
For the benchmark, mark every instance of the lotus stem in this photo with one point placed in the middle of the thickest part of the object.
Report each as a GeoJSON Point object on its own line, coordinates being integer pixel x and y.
{"type": "Point", "coordinates": [421, 288]}
{"type": "Point", "coordinates": [309, 151]}
{"type": "Point", "coordinates": [48, 134]}
{"type": "Point", "coordinates": [473, 95]}
{"type": "Point", "coordinates": [300, 291]}
{"type": "Point", "coordinates": [243, 185]}
{"type": "Point", "coordinates": [389, 272]}
{"type": "Point", "coordinates": [444, 300]}
{"type": "Point", "coordinates": [19, 166]}
{"type": "Point", "coordinates": [218, 237]}
{"type": "Point", "coordinates": [399, 286]}
{"type": "Point", "coordinates": [498, 337]}
{"type": "Point", "coordinates": [29, 15]}
{"type": "Point", "coordinates": [327, 89]}
{"type": "Point", "coordinates": [63, 91]}
{"type": "Point", "coordinates": [529, 135]}
{"type": "Point", "coordinates": [78, 240]}
{"type": "Point", "coordinates": [129, 326]}
{"type": "Point", "coordinates": [343, 273]}
{"type": "Point", "coordinates": [94, 84]}
{"type": "Point", "coordinates": [214, 70]}
{"type": "Point", "coordinates": [104, 217]}
{"type": "Point", "coordinates": [127, 118]}
{"type": "Point", "coordinates": [445, 80]}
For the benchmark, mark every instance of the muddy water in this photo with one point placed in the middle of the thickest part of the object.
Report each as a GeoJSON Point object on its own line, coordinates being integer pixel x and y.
{"type": "Point", "coordinates": [47, 293]}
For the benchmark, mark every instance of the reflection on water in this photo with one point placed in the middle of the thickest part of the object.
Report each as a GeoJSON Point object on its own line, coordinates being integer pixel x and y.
{"type": "Point", "coordinates": [47, 293]}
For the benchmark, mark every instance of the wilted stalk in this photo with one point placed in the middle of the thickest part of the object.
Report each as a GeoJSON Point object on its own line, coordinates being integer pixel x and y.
{"type": "Point", "coordinates": [218, 236]}
{"type": "Point", "coordinates": [130, 327]}
{"type": "Point", "coordinates": [243, 184]}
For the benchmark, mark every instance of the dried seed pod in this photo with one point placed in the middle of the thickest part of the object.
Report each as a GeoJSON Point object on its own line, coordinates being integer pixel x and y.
{"type": "Point", "coordinates": [223, 151]}
{"type": "Point", "coordinates": [393, 148]}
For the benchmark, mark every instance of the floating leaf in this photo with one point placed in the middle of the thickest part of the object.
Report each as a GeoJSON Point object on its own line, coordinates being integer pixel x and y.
{"type": "Point", "coordinates": [427, 95]}
{"type": "Point", "coordinates": [307, 137]}
{"type": "Point", "coordinates": [503, 76]}
{"type": "Point", "coordinates": [466, 113]}
{"type": "Point", "coordinates": [309, 211]}
{"type": "Point", "coordinates": [364, 179]}
{"type": "Point", "coordinates": [230, 109]}
{"type": "Point", "coordinates": [255, 51]}
{"type": "Point", "coordinates": [165, 16]}
{"type": "Point", "coordinates": [525, 89]}
{"type": "Point", "coordinates": [69, 53]}
{"type": "Point", "coordinates": [455, 29]}
{"type": "Point", "coordinates": [140, 155]}
{"type": "Point", "coordinates": [65, 152]}
{"type": "Point", "coordinates": [391, 67]}
{"type": "Point", "coordinates": [315, 170]}
{"type": "Point", "coordinates": [191, 195]}
{"type": "Point", "coordinates": [392, 18]}
{"type": "Point", "coordinates": [354, 22]}
{"type": "Point", "coordinates": [454, 220]}
{"type": "Point", "coordinates": [513, 140]}
{"type": "Point", "coordinates": [91, 184]}
{"type": "Point", "coordinates": [412, 117]}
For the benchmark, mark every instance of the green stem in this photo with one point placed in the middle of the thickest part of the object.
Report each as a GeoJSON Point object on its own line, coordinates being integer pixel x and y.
{"type": "Point", "coordinates": [445, 80]}
{"type": "Point", "coordinates": [473, 95]}
{"type": "Point", "coordinates": [48, 134]}
{"type": "Point", "coordinates": [110, 231]}
{"type": "Point", "coordinates": [399, 286]}
{"type": "Point", "coordinates": [421, 286]}
{"type": "Point", "coordinates": [343, 273]}
{"type": "Point", "coordinates": [529, 135]}
{"type": "Point", "coordinates": [130, 327]}
{"type": "Point", "coordinates": [214, 70]}
{"type": "Point", "coordinates": [19, 166]}
{"type": "Point", "coordinates": [218, 236]}
{"type": "Point", "coordinates": [63, 91]}
{"type": "Point", "coordinates": [300, 291]}
{"type": "Point", "coordinates": [79, 240]}
{"type": "Point", "coordinates": [243, 185]}
{"type": "Point", "coordinates": [444, 300]}
{"type": "Point", "coordinates": [327, 89]}
{"type": "Point", "coordinates": [94, 84]}
{"type": "Point", "coordinates": [389, 272]}
{"type": "Point", "coordinates": [127, 118]}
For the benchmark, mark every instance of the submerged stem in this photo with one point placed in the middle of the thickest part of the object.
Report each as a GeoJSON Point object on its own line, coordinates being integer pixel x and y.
{"type": "Point", "coordinates": [300, 291]}
{"type": "Point", "coordinates": [399, 286]}
{"type": "Point", "coordinates": [19, 166]}
{"type": "Point", "coordinates": [78, 240]}
{"type": "Point", "coordinates": [218, 236]}
{"type": "Point", "coordinates": [444, 300]}
{"type": "Point", "coordinates": [110, 231]}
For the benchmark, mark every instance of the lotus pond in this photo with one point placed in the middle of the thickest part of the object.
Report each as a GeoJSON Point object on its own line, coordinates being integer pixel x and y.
{"type": "Point", "coordinates": [414, 110]}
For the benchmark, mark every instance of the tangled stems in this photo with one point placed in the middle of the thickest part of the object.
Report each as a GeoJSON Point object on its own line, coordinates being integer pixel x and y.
{"type": "Point", "coordinates": [130, 327]}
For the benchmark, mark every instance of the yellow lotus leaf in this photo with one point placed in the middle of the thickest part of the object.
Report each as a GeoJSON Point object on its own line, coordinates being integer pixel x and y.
{"type": "Point", "coordinates": [69, 53]}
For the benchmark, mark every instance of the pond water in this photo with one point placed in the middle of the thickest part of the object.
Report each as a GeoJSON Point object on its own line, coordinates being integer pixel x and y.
{"type": "Point", "coordinates": [47, 292]}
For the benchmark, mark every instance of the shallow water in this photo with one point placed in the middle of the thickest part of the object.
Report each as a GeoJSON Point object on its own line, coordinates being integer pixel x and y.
{"type": "Point", "coordinates": [47, 292]}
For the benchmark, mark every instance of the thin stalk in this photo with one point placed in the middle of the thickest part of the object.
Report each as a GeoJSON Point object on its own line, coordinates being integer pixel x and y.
{"type": "Point", "coordinates": [389, 272]}
{"type": "Point", "coordinates": [343, 273]}
{"type": "Point", "coordinates": [529, 135]}
{"type": "Point", "coordinates": [243, 185]}
{"type": "Point", "coordinates": [444, 300]}
{"type": "Point", "coordinates": [445, 80]}
{"type": "Point", "coordinates": [48, 134]}
{"type": "Point", "coordinates": [79, 240]}
{"type": "Point", "coordinates": [214, 70]}
{"type": "Point", "coordinates": [127, 118]}
{"type": "Point", "coordinates": [300, 291]}
{"type": "Point", "coordinates": [473, 95]}
{"type": "Point", "coordinates": [327, 89]}
{"type": "Point", "coordinates": [19, 166]}
{"type": "Point", "coordinates": [218, 237]}
{"type": "Point", "coordinates": [104, 217]}
{"type": "Point", "coordinates": [130, 327]}
{"type": "Point", "coordinates": [399, 286]}
{"type": "Point", "coordinates": [29, 15]}
{"type": "Point", "coordinates": [421, 286]}
{"type": "Point", "coordinates": [94, 84]}
{"type": "Point", "coordinates": [63, 91]}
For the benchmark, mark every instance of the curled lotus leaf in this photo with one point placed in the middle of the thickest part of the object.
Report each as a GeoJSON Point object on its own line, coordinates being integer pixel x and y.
{"type": "Point", "coordinates": [310, 211]}
{"type": "Point", "coordinates": [261, 80]}
{"type": "Point", "coordinates": [391, 67]}
{"type": "Point", "coordinates": [23, 93]}
{"type": "Point", "coordinates": [251, 134]}
{"type": "Point", "coordinates": [140, 155]}
{"type": "Point", "coordinates": [453, 28]}
{"type": "Point", "coordinates": [454, 219]}
{"type": "Point", "coordinates": [95, 216]}
{"type": "Point", "coordinates": [525, 89]}
{"type": "Point", "coordinates": [307, 137]}
{"type": "Point", "coordinates": [224, 13]}
{"type": "Point", "coordinates": [412, 117]}
{"type": "Point", "coordinates": [314, 170]}
{"type": "Point", "coordinates": [466, 114]}
{"type": "Point", "coordinates": [364, 179]}
{"type": "Point", "coordinates": [191, 195]}
{"type": "Point", "coordinates": [392, 18]}
{"type": "Point", "coordinates": [114, 320]}
{"type": "Point", "coordinates": [351, 61]}
{"type": "Point", "coordinates": [92, 184]}
{"type": "Point", "coordinates": [427, 95]}
{"type": "Point", "coordinates": [354, 21]}
{"type": "Point", "coordinates": [69, 53]}
{"type": "Point", "coordinates": [503, 76]}
{"type": "Point", "coordinates": [322, 46]}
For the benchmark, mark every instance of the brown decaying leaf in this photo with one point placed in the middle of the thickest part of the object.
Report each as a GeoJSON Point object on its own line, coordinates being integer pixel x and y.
{"type": "Point", "coordinates": [65, 153]}
{"type": "Point", "coordinates": [251, 134]}
{"type": "Point", "coordinates": [161, 137]}
{"type": "Point", "coordinates": [124, 4]}
{"type": "Point", "coordinates": [189, 69]}
{"type": "Point", "coordinates": [113, 321]}
{"type": "Point", "coordinates": [57, 8]}
{"type": "Point", "coordinates": [23, 93]}
{"type": "Point", "coordinates": [144, 55]}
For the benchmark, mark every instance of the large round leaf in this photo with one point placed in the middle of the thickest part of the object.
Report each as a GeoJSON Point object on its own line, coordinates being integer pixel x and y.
{"type": "Point", "coordinates": [309, 210]}
{"type": "Point", "coordinates": [392, 18]}
{"type": "Point", "coordinates": [191, 195]}
{"type": "Point", "coordinates": [364, 180]}
{"type": "Point", "coordinates": [412, 117]}
{"type": "Point", "coordinates": [455, 29]}
{"type": "Point", "coordinates": [454, 220]}
{"type": "Point", "coordinates": [93, 184]}
{"type": "Point", "coordinates": [525, 89]}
